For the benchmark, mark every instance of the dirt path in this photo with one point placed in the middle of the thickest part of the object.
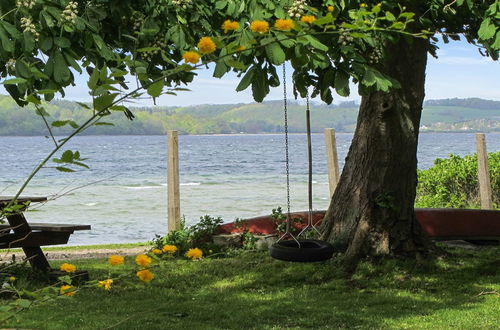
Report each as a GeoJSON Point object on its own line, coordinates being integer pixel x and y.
{"type": "Point", "coordinates": [77, 254]}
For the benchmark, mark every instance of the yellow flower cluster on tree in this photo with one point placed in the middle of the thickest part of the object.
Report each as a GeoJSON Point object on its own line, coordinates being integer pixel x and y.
{"type": "Point", "coordinates": [106, 284]}
{"type": "Point", "coordinates": [194, 254]}
{"type": "Point", "coordinates": [116, 260]}
{"type": "Point", "coordinates": [67, 290]}
{"type": "Point", "coordinates": [229, 25]}
{"type": "Point", "coordinates": [259, 26]}
{"type": "Point", "coordinates": [330, 8]}
{"type": "Point", "coordinates": [156, 251]}
{"type": "Point", "coordinates": [12, 279]}
{"type": "Point", "coordinates": [284, 24]}
{"type": "Point", "coordinates": [68, 268]}
{"type": "Point", "coordinates": [191, 57]}
{"type": "Point", "coordinates": [143, 260]}
{"type": "Point", "coordinates": [206, 45]}
{"type": "Point", "coordinates": [170, 249]}
{"type": "Point", "coordinates": [307, 19]}
{"type": "Point", "coordinates": [145, 275]}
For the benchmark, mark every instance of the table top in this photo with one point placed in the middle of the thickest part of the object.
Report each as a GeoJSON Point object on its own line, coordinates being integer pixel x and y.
{"type": "Point", "coordinates": [22, 199]}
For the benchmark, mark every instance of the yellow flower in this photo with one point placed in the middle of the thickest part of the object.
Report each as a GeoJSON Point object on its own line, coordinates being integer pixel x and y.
{"type": "Point", "coordinates": [307, 19]}
{"type": "Point", "coordinates": [191, 57]}
{"type": "Point", "coordinates": [330, 8]}
{"type": "Point", "coordinates": [170, 249]}
{"type": "Point", "coordinates": [194, 254]}
{"type": "Point", "coordinates": [145, 275]}
{"type": "Point", "coordinates": [206, 45]}
{"type": "Point", "coordinates": [116, 260]}
{"type": "Point", "coordinates": [156, 251]}
{"type": "Point", "coordinates": [68, 268]}
{"type": "Point", "coordinates": [229, 25]}
{"type": "Point", "coordinates": [363, 5]}
{"type": "Point", "coordinates": [241, 48]}
{"type": "Point", "coordinates": [259, 26]}
{"type": "Point", "coordinates": [143, 260]}
{"type": "Point", "coordinates": [12, 278]}
{"type": "Point", "coordinates": [284, 24]}
{"type": "Point", "coordinates": [67, 290]}
{"type": "Point", "coordinates": [106, 284]}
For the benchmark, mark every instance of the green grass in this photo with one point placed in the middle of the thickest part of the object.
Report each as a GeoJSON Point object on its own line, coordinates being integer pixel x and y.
{"type": "Point", "coordinates": [253, 291]}
{"type": "Point", "coordinates": [88, 247]}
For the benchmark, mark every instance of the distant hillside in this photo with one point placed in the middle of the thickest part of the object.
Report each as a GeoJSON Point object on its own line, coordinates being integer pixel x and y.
{"type": "Point", "coordinates": [438, 115]}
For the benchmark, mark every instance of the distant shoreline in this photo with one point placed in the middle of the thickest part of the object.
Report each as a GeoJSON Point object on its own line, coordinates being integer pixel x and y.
{"type": "Point", "coordinates": [248, 134]}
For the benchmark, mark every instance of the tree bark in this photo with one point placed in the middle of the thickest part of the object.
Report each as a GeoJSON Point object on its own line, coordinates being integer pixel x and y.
{"type": "Point", "coordinates": [372, 210]}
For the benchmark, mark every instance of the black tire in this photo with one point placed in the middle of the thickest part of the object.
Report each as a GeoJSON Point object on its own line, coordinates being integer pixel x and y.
{"type": "Point", "coordinates": [310, 250]}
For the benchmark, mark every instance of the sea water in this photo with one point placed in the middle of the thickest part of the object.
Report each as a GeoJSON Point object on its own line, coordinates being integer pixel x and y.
{"type": "Point", "coordinates": [123, 195]}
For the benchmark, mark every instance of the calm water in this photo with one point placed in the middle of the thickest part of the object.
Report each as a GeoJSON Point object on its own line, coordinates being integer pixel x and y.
{"type": "Point", "coordinates": [123, 195]}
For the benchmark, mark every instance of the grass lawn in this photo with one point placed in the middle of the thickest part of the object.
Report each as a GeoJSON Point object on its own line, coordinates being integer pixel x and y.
{"type": "Point", "coordinates": [254, 291]}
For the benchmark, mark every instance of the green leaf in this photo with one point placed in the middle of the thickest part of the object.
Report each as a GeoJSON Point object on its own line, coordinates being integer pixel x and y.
{"type": "Point", "coordinates": [61, 71]}
{"type": "Point", "coordinates": [102, 123]}
{"type": "Point", "coordinates": [486, 30]}
{"type": "Point", "coordinates": [260, 86]}
{"type": "Point", "coordinates": [275, 54]}
{"type": "Point", "coordinates": [62, 42]}
{"type": "Point", "coordinates": [316, 43]}
{"type": "Point", "coordinates": [7, 43]}
{"type": "Point", "coordinates": [104, 101]}
{"type": "Point", "coordinates": [496, 44]}
{"type": "Point", "coordinates": [220, 69]}
{"type": "Point", "coordinates": [14, 81]}
{"type": "Point", "coordinates": [342, 83]}
{"type": "Point", "coordinates": [67, 156]}
{"type": "Point", "coordinates": [246, 80]}
{"type": "Point", "coordinates": [389, 16]}
{"type": "Point", "coordinates": [155, 89]}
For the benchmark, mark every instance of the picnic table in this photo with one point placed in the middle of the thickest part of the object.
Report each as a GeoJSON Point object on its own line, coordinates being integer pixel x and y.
{"type": "Point", "coordinates": [18, 233]}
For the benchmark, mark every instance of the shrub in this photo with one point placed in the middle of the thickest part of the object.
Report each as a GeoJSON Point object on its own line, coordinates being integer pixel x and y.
{"type": "Point", "coordinates": [453, 182]}
{"type": "Point", "coordinates": [196, 236]}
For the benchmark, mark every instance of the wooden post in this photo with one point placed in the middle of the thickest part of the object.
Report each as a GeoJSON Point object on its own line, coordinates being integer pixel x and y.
{"type": "Point", "coordinates": [483, 172]}
{"type": "Point", "coordinates": [332, 159]}
{"type": "Point", "coordinates": [174, 200]}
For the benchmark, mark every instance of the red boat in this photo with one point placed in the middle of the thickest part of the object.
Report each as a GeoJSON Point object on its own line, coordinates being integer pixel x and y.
{"type": "Point", "coordinates": [439, 224]}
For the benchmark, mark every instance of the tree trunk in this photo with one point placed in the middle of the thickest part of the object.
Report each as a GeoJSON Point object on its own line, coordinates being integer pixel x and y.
{"type": "Point", "coordinates": [372, 210]}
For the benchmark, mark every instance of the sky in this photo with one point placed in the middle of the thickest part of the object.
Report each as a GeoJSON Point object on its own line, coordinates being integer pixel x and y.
{"type": "Point", "coordinates": [458, 72]}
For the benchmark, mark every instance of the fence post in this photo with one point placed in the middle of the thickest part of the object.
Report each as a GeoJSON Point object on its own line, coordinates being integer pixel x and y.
{"type": "Point", "coordinates": [332, 159]}
{"type": "Point", "coordinates": [483, 172]}
{"type": "Point", "coordinates": [173, 191]}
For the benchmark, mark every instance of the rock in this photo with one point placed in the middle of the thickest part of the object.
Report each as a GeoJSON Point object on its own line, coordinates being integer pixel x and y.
{"type": "Point", "coordinates": [265, 242]}
{"type": "Point", "coordinates": [227, 240]}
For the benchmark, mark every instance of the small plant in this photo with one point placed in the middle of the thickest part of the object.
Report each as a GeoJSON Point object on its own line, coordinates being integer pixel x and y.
{"type": "Point", "coordinates": [196, 236]}
{"type": "Point", "coordinates": [248, 241]}
{"type": "Point", "coordinates": [280, 220]}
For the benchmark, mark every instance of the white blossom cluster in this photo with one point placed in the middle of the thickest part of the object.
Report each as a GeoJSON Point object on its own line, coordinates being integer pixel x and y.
{"type": "Point", "coordinates": [376, 55]}
{"type": "Point", "coordinates": [25, 3]}
{"type": "Point", "coordinates": [70, 12]}
{"type": "Point", "coordinates": [11, 65]}
{"type": "Point", "coordinates": [137, 21]}
{"type": "Point", "coordinates": [160, 44]}
{"type": "Point", "coordinates": [297, 9]}
{"type": "Point", "coordinates": [182, 3]}
{"type": "Point", "coordinates": [345, 38]}
{"type": "Point", "coordinates": [28, 26]}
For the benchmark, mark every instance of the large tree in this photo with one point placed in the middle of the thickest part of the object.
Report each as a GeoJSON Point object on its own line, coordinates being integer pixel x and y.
{"type": "Point", "coordinates": [381, 46]}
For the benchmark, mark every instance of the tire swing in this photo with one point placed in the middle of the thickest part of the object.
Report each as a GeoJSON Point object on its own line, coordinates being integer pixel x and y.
{"type": "Point", "coordinates": [295, 249]}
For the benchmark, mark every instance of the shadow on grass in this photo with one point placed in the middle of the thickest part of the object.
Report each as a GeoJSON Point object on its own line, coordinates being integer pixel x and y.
{"type": "Point", "coordinates": [255, 291]}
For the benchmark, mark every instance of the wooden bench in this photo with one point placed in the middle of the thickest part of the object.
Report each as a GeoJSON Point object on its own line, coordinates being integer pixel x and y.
{"type": "Point", "coordinates": [18, 233]}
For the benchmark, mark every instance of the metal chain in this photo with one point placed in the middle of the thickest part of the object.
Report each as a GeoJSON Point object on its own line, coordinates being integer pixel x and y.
{"type": "Point", "coordinates": [287, 160]}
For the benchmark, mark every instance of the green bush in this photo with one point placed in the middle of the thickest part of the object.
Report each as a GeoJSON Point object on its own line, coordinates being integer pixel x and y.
{"type": "Point", "coordinates": [453, 182]}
